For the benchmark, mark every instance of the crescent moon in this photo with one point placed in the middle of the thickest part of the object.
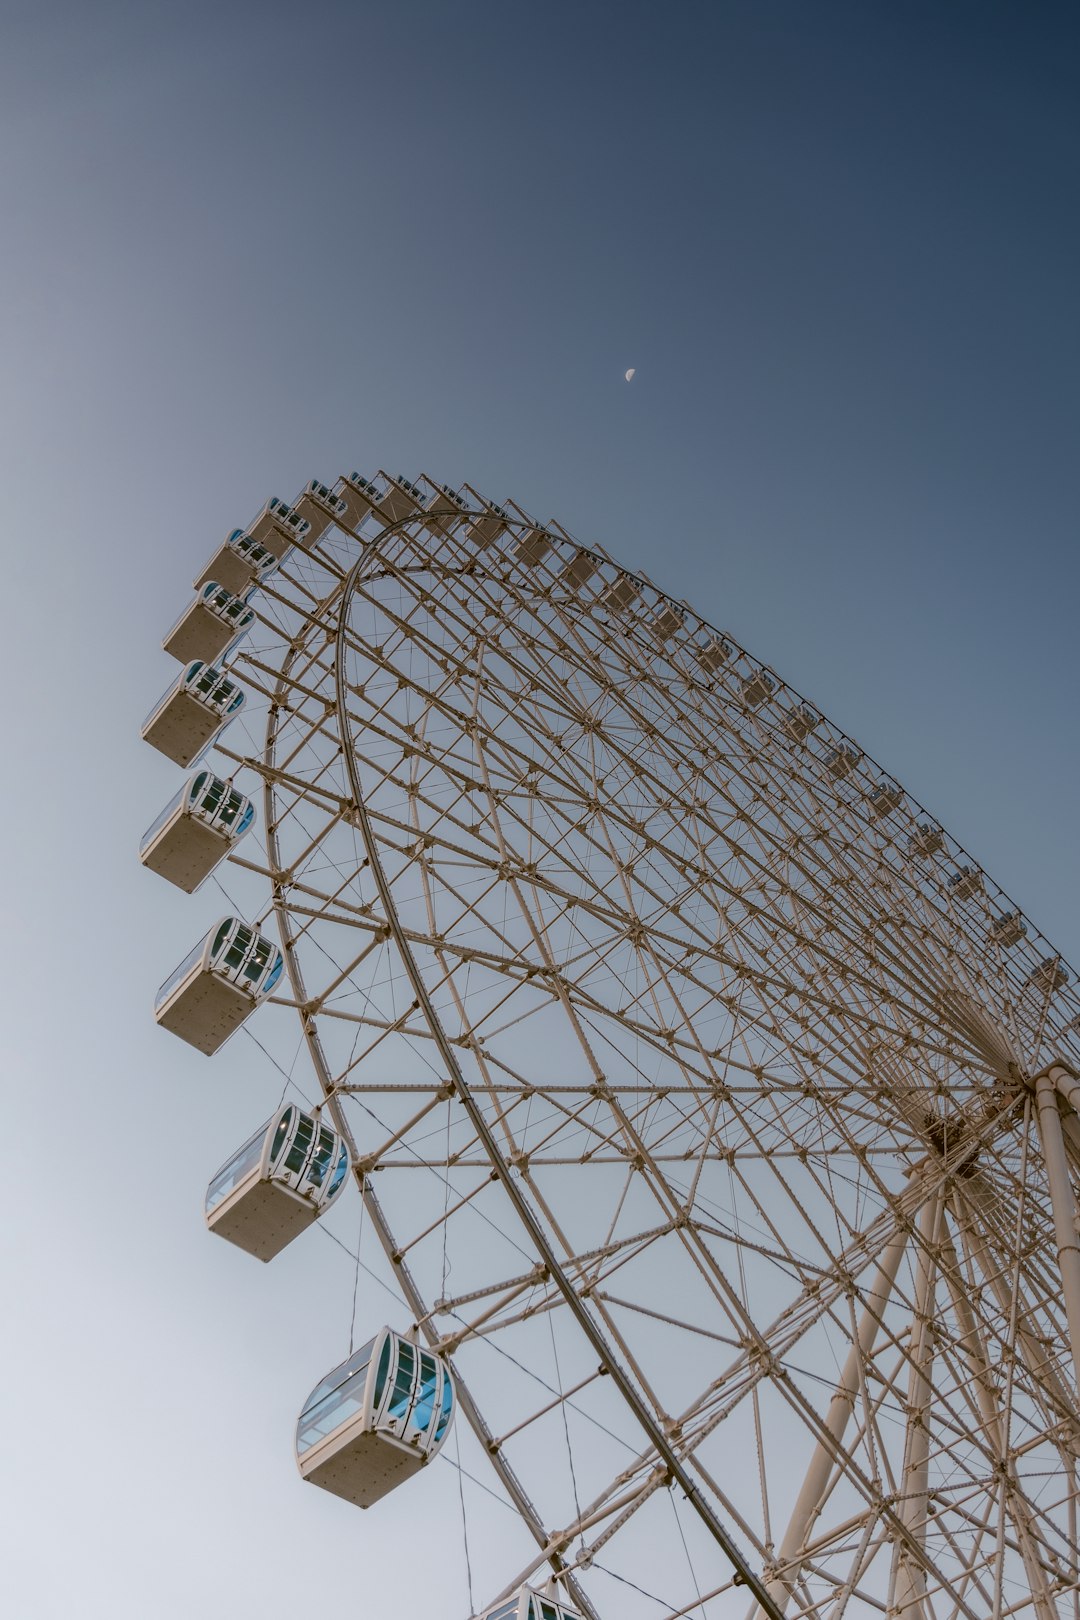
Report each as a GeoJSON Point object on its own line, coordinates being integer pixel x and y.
{"type": "Point", "coordinates": [630, 374]}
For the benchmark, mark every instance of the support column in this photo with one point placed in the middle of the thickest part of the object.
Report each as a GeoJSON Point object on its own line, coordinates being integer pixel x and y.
{"type": "Point", "coordinates": [1067, 1084]}
{"type": "Point", "coordinates": [811, 1498]}
{"type": "Point", "coordinates": [908, 1580]}
{"type": "Point", "coordinates": [971, 1209]}
{"type": "Point", "coordinates": [1062, 1197]}
{"type": "Point", "coordinates": [981, 1372]}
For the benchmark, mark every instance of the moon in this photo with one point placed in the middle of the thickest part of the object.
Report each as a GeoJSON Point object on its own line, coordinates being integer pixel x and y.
{"type": "Point", "coordinates": [630, 374]}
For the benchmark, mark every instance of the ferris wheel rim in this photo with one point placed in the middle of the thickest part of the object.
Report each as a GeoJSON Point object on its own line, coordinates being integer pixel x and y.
{"type": "Point", "coordinates": [342, 709]}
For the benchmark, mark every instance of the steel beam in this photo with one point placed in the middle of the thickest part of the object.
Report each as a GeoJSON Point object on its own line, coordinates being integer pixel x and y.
{"type": "Point", "coordinates": [811, 1497]}
{"type": "Point", "coordinates": [907, 1597]}
{"type": "Point", "coordinates": [1047, 1086]}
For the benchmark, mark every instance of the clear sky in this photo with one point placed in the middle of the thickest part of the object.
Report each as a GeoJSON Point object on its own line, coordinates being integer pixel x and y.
{"type": "Point", "coordinates": [245, 245]}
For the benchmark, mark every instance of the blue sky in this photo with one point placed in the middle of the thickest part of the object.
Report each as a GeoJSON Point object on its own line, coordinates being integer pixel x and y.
{"type": "Point", "coordinates": [247, 245]}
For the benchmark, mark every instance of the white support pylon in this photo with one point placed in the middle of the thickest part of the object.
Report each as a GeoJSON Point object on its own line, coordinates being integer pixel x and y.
{"type": "Point", "coordinates": [811, 1496]}
{"type": "Point", "coordinates": [1047, 1086]}
{"type": "Point", "coordinates": [908, 1581]}
{"type": "Point", "coordinates": [1067, 1083]}
{"type": "Point", "coordinates": [981, 1372]}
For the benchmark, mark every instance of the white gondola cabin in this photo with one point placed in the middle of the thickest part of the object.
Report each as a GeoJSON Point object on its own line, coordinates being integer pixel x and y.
{"type": "Point", "coordinates": [401, 499]}
{"type": "Point", "coordinates": [580, 569]}
{"type": "Point", "coordinates": [210, 626]}
{"type": "Point", "coordinates": [218, 985]}
{"type": "Point", "coordinates": [191, 712]}
{"type": "Point", "coordinates": [278, 527]}
{"type": "Point", "coordinates": [842, 759]}
{"type": "Point", "coordinates": [965, 883]}
{"type": "Point", "coordinates": [196, 830]}
{"type": "Point", "coordinates": [486, 529]}
{"type": "Point", "coordinates": [1008, 929]}
{"type": "Point", "coordinates": [448, 502]}
{"type": "Point", "coordinates": [278, 1184]}
{"type": "Point", "coordinates": [1049, 977]}
{"type": "Point", "coordinates": [620, 593]}
{"type": "Point", "coordinates": [361, 499]}
{"type": "Point", "coordinates": [926, 839]}
{"type": "Point", "coordinates": [376, 1420]}
{"type": "Point", "coordinates": [714, 656]}
{"type": "Point", "coordinates": [321, 508]}
{"type": "Point", "coordinates": [239, 564]}
{"type": "Point", "coordinates": [885, 798]}
{"type": "Point", "coordinates": [757, 688]}
{"type": "Point", "coordinates": [800, 723]}
{"type": "Point", "coordinates": [532, 548]}
{"type": "Point", "coordinates": [530, 1604]}
{"type": "Point", "coordinates": [666, 621]}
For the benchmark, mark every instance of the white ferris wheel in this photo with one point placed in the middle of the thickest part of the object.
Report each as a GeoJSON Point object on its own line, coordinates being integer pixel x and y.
{"type": "Point", "coordinates": [717, 1115]}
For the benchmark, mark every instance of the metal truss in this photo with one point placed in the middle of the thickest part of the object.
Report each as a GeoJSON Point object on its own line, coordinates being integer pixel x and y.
{"type": "Point", "coordinates": [717, 1113]}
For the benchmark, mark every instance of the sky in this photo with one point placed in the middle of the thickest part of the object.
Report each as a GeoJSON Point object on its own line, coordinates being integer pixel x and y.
{"type": "Point", "coordinates": [247, 245]}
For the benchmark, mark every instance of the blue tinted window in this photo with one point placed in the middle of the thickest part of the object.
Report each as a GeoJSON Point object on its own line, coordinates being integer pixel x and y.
{"type": "Point", "coordinates": [233, 1172]}
{"type": "Point", "coordinates": [402, 1395]}
{"type": "Point", "coordinates": [159, 821]}
{"type": "Point", "coordinates": [179, 973]}
{"type": "Point", "coordinates": [384, 1368]}
{"type": "Point", "coordinates": [446, 1407]}
{"type": "Point", "coordinates": [322, 1158]}
{"type": "Point", "coordinates": [424, 1410]}
{"type": "Point", "coordinates": [334, 1409]}
{"type": "Point", "coordinates": [301, 1143]}
{"type": "Point", "coordinates": [338, 1397]}
{"type": "Point", "coordinates": [341, 1170]}
{"type": "Point", "coordinates": [281, 1134]}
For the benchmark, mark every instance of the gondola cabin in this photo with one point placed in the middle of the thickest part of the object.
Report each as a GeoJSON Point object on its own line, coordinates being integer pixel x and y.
{"type": "Point", "coordinates": [800, 722]}
{"type": "Point", "coordinates": [841, 760]}
{"type": "Point", "coordinates": [884, 799]}
{"type": "Point", "coordinates": [926, 839]}
{"type": "Point", "coordinates": [579, 570]}
{"type": "Point", "coordinates": [380, 500]}
{"type": "Point", "coordinates": [321, 508]}
{"type": "Point", "coordinates": [278, 1184]}
{"type": "Point", "coordinates": [376, 1420]}
{"type": "Point", "coordinates": [218, 985]}
{"type": "Point", "coordinates": [1008, 929]}
{"type": "Point", "coordinates": [401, 499]}
{"type": "Point", "coordinates": [1049, 976]}
{"type": "Point", "coordinates": [210, 625]}
{"type": "Point", "coordinates": [666, 621]}
{"type": "Point", "coordinates": [239, 564]}
{"type": "Point", "coordinates": [278, 527]}
{"type": "Point", "coordinates": [756, 688]}
{"type": "Point", "coordinates": [196, 830]}
{"type": "Point", "coordinates": [532, 548]}
{"type": "Point", "coordinates": [450, 504]}
{"type": "Point", "coordinates": [965, 883]}
{"type": "Point", "coordinates": [714, 656]}
{"type": "Point", "coordinates": [191, 712]}
{"type": "Point", "coordinates": [488, 527]}
{"type": "Point", "coordinates": [360, 497]}
{"type": "Point", "coordinates": [620, 593]}
{"type": "Point", "coordinates": [529, 1604]}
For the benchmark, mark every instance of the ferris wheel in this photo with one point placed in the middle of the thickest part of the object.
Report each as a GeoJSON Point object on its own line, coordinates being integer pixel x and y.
{"type": "Point", "coordinates": [717, 1116]}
